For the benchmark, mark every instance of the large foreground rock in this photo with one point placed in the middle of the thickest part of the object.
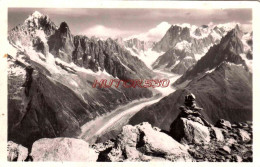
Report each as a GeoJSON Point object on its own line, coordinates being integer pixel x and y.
{"type": "Point", "coordinates": [145, 143]}
{"type": "Point", "coordinates": [16, 152]}
{"type": "Point", "coordinates": [189, 131]}
{"type": "Point", "coordinates": [62, 149]}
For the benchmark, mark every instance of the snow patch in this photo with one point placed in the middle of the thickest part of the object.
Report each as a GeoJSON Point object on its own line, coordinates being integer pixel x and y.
{"type": "Point", "coordinates": [210, 71]}
{"type": "Point", "coordinates": [183, 45]}
{"type": "Point", "coordinates": [74, 83]}
{"type": "Point", "coordinates": [244, 40]}
{"type": "Point", "coordinates": [188, 57]}
{"type": "Point", "coordinates": [249, 63]}
{"type": "Point", "coordinates": [148, 57]}
{"type": "Point", "coordinates": [41, 35]}
{"type": "Point", "coordinates": [228, 26]}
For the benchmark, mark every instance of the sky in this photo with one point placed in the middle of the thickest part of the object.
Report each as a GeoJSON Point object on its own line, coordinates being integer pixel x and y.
{"type": "Point", "coordinates": [104, 22]}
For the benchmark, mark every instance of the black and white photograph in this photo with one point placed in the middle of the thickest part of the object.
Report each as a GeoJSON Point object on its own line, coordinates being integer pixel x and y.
{"type": "Point", "coordinates": [129, 84]}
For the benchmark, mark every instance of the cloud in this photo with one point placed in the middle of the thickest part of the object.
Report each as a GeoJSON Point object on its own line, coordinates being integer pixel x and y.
{"type": "Point", "coordinates": [153, 34]}
{"type": "Point", "coordinates": [247, 27]}
{"type": "Point", "coordinates": [105, 32]}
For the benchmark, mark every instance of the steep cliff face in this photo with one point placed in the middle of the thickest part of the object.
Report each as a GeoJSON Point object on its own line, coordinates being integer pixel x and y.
{"type": "Point", "coordinates": [110, 56]}
{"type": "Point", "coordinates": [61, 43]}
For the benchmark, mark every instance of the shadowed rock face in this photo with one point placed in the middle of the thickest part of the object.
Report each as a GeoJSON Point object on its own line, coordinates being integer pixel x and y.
{"type": "Point", "coordinates": [40, 106]}
{"type": "Point", "coordinates": [110, 56]}
{"type": "Point", "coordinates": [61, 43]}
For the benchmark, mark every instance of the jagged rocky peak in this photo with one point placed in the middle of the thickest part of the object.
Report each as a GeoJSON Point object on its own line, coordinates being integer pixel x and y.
{"type": "Point", "coordinates": [36, 25]}
{"type": "Point", "coordinates": [64, 28]}
{"type": "Point", "coordinates": [40, 21]}
{"type": "Point", "coordinates": [61, 43]}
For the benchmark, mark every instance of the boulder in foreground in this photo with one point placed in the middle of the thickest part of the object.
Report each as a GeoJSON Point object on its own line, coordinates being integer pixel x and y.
{"type": "Point", "coordinates": [62, 149]}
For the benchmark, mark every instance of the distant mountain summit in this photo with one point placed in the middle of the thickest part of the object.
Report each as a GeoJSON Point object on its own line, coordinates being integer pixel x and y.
{"type": "Point", "coordinates": [221, 80]}
{"type": "Point", "coordinates": [229, 49]}
{"type": "Point", "coordinates": [185, 44]}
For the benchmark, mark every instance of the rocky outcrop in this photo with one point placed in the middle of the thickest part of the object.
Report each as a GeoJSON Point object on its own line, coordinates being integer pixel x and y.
{"type": "Point", "coordinates": [61, 43]}
{"type": "Point", "coordinates": [206, 142]}
{"type": "Point", "coordinates": [16, 152]}
{"type": "Point", "coordinates": [36, 25]}
{"type": "Point", "coordinates": [189, 126]}
{"type": "Point", "coordinates": [62, 149]}
{"type": "Point", "coordinates": [144, 143]}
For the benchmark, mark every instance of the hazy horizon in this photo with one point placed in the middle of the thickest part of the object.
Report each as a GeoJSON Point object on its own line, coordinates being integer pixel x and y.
{"type": "Point", "coordinates": [107, 22]}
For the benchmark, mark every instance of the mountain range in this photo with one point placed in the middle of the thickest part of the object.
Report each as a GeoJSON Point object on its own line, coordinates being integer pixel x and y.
{"type": "Point", "coordinates": [50, 79]}
{"type": "Point", "coordinates": [51, 72]}
{"type": "Point", "coordinates": [221, 80]}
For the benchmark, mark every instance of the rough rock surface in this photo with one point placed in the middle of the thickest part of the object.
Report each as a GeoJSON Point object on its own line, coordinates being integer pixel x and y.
{"type": "Point", "coordinates": [188, 131]}
{"type": "Point", "coordinates": [16, 152]}
{"type": "Point", "coordinates": [62, 149]}
{"type": "Point", "coordinates": [223, 124]}
{"type": "Point", "coordinates": [190, 127]}
{"type": "Point", "coordinates": [145, 143]}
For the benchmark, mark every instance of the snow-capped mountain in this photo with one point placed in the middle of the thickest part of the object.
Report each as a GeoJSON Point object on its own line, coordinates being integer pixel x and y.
{"type": "Point", "coordinates": [141, 45]}
{"type": "Point", "coordinates": [153, 34]}
{"type": "Point", "coordinates": [230, 49]}
{"type": "Point", "coordinates": [185, 44]}
{"type": "Point", "coordinates": [142, 50]}
{"type": "Point", "coordinates": [50, 79]}
{"type": "Point", "coordinates": [221, 81]}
